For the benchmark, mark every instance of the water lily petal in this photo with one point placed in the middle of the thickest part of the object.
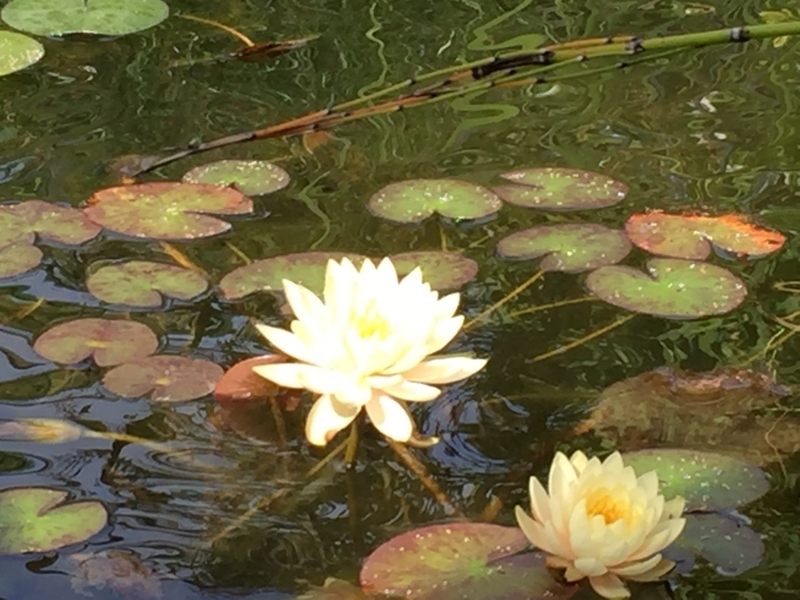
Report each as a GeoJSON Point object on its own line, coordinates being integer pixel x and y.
{"type": "Point", "coordinates": [656, 573]}
{"type": "Point", "coordinates": [662, 536]}
{"type": "Point", "coordinates": [306, 306]}
{"type": "Point", "coordinates": [590, 566]}
{"type": "Point", "coordinates": [290, 375]}
{"type": "Point", "coordinates": [637, 568]}
{"type": "Point", "coordinates": [540, 501]}
{"type": "Point", "coordinates": [408, 390]}
{"type": "Point", "coordinates": [286, 342]}
{"type": "Point", "coordinates": [327, 418]}
{"type": "Point", "coordinates": [609, 586]}
{"type": "Point", "coordinates": [390, 418]}
{"type": "Point", "coordinates": [535, 532]}
{"type": "Point", "coordinates": [445, 370]}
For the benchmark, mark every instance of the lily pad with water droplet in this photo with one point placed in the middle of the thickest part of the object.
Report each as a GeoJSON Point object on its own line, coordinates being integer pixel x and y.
{"type": "Point", "coordinates": [570, 247]}
{"type": "Point", "coordinates": [708, 481]}
{"type": "Point", "coordinates": [102, 17]}
{"type": "Point", "coordinates": [144, 283]}
{"type": "Point", "coordinates": [18, 258]}
{"type": "Point", "coordinates": [414, 200]}
{"type": "Point", "coordinates": [560, 189]}
{"type": "Point", "coordinates": [460, 560]}
{"type": "Point", "coordinates": [442, 270]}
{"type": "Point", "coordinates": [39, 520]}
{"type": "Point", "coordinates": [18, 51]}
{"type": "Point", "coordinates": [251, 177]}
{"type": "Point", "coordinates": [167, 210]}
{"type": "Point", "coordinates": [164, 378]}
{"type": "Point", "coordinates": [110, 342]}
{"type": "Point", "coordinates": [671, 288]}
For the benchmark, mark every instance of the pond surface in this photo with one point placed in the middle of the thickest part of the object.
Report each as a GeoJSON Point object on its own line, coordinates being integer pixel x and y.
{"type": "Point", "coordinates": [218, 507]}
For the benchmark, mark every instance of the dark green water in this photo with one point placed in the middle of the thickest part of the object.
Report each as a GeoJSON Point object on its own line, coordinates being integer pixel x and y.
{"type": "Point", "coordinates": [711, 129]}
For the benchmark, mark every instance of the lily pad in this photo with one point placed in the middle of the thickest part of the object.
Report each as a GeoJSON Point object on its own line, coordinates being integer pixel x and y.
{"type": "Point", "coordinates": [414, 200]}
{"type": "Point", "coordinates": [102, 17]}
{"type": "Point", "coordinates": [164, 378]}
{"type": "Point", "coordinates": [251, 177]}
{"type": "Point", "coordinates": [110, 342]}
{"type": "Point", "coordinates": [18, 258]}
{"type": "Point", "coordinates": [122, 573]}
{"type": "Point", "coordinates": [708, 481]}
{"type": "Point", "coordinates": [18, 51]}
{"type": "Point", "coordinates": [460, 560]}
{"type": "Point", "coordinates": [694, 236]}
{"type": "Point", "coordinates": [38, 520]}
{"type": "Point", "coordinates": [48, 431]}
{"type": "Point", "coordinates": [442, 270]}
{"type": "Point", "coordinates": [570, 247]}
{"type": "Point", "coordinates": [64, 225]}
{"type": "Point", "coordinates": [559, 189]}
{"type": "Point", "coordinates": [671, 288]}
{"type": "Point", "coordinates": [144, 283]}
{"type": "Point", "coordinates": [241, 384]}
{"type": "Point", "coordinates": [167, 210]}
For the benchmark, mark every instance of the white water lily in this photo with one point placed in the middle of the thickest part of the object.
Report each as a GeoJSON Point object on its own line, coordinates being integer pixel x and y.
{"type": "Point", "coordinates": [602, 522]}
{"type": "Point", "coordinates": [365, 345]}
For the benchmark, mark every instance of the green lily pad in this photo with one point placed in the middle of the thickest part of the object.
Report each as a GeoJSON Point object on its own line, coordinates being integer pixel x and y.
{"type": "Point", "coordinates": [48, 431]}
{"type": "Point", "coordinates": [558, 189]}
{"type": "Point", "coordinates": [18, 51]}
{"type": "Point", "coordinates": [102, 17]}
{"type": "Point", "coordinates": [18, 258]}
{"type": "Point", "coordinates": [109, 342]}
{"type": "Point", "coordinates": [63, 225]}
{"type": "Point", "coordinates": [144, 283]}
{"type": "Point", "coordinates": [415, 200]}
{"type": "Point", "coordinates": [166, 210]}
{"type": "Point", "coordinates": [708, 481]}
{"type": "Point", "coordinates": [38, 520]}
{"type": "Point", "coordinates": [442, 270]}
{"type": "Point", "coordinates": [672, 288]}
{"type": "Point", "coordinates": [164, 378]}
{"type": "Point", "coordinates": [570, 247]}
{"type": "Point", "coordinates": [251, 177]}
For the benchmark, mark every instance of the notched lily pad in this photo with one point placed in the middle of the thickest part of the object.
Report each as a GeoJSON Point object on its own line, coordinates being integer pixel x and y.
{"type": "Point", "coordinates": [570, 247]}
{"type": "Point", "coordinates": [671, 288]}
{"type": "Point", "coordinates": [414, 200]}
{"type": "Point", "coordinates": [167, 210]}
{"type": "Point", "coordinates": [18, 51]}
{"type": "Point", "coordinates": [559, 189]}
{"type": "Point", "coordinates": [110, 342]}
{"type": "Point", "coordinates": [251, 177]}
{"type": "Point", "coordinates": [164, 378]}
{"type": "Point", "coordinates": [144, 283]}
{"type": "Point", "coordinates": [442, 270]}
{"type": "Point", "coordinates": [38, 520]}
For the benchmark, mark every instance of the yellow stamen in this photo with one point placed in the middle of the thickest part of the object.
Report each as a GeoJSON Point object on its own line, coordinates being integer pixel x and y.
{"type": "Point", "coordinates": [611, 508]}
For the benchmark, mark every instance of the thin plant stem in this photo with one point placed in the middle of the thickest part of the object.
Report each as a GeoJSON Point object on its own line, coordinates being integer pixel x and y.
{"type": "Point", "coordinates": [510, 296]}
{"type": "Point", "coordinates": [352, 442]}
{"type": "Point", "coordinates": [560, 303]}
{"type": "Point", "coordinates": [583, 340]}
{"type": "Point", "coordinates": [237, 34]}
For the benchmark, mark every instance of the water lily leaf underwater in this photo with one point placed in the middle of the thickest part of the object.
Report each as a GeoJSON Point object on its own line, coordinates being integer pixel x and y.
{"type": "Point", "coordinates": [671, 287]}
{"type": "Point", "coordinates": [18, 258]}
{"type": "Point", "coordinates": [48, 431]}
{"type": "Point", "coordinates": [122, 573]}
{"type": "Point", "coordinates": [102, 17]}
{"type": "Point", "coordinates": [569, 247]}
{"type": "Point", "coordinates": [560, 189]}
{"type": "Point", "coordinates": [35, 519]}
{"type": "Point", "coordinates": [708, 481]}
{"type": "Point", "coordinates": [18, 51]}
{"type": "Point", "coordinates": [251, 177]}
{"type": "Point", "coordinates": [167, 210]}
{"type": "Point", "coordinates": [414, 200]}
{"type": "Point", "coordinates": [164, 378]}
{"type": "Point", "coordinates": [108, 341]}
{"type": "Point", "coordinates": [442, 270]}
{"type": "Point", "coordinates": [144, 283]}
{"type": "Point", "coordinates": [694, 236]}
{"type": "Point", "coordinates": [460, 560]}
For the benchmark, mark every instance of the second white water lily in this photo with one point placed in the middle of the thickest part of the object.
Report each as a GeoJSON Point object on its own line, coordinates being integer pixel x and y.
{"type": "Point", "coordinates": [365, 345]}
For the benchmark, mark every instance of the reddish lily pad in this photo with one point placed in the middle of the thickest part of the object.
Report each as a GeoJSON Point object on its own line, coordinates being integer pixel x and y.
{"type": "Point", "coordinates": [18, 258]}
{"type": "Point", "coordinates": [442, 270]}
{"type": "Point", "coordinates": [122, 573]}
{"type": "Point", "coordinates": [559, 189]}
{"type": "Point", "coordinates": [460, 560]}
{"type": "Point", "coordinates": [570, 247]}
{"type": "Point", "coordinates": [164, 378]}
{"type": "Point", "coordinates": [167, 210]}
{"type": "Point", "coordinates": [144, 283]}
{"type": "Point", "coordinates": [241, 384]}
{"type": "Point", "coordinates": [414, 200]}
{"type": "Point", "coordinates": [694, 236]}
{"type": "Point", "coordinates": [60, 224]}
{"type": "Point", "coordinates": [109, 342]}
{"type": "Point", "coordinates": [251, 177]}
{"type": "Point", "coordinates": [38, 520]}
{"type": "Point", "coordinates": [671, 288]}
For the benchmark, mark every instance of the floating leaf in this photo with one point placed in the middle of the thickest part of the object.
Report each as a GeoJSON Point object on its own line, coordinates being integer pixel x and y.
{"type": "Point", "coordinates": [18, 51]}
{"type": "Point", "coordinates": [60, 224]}
{"type": "Point", "coordinates": [460, 560]}
{"type": "Point", "coordinates": [37, 520]}
{"type": "Point", "coordinates": [18, 258]}
{"type": "Point", "coordinates": [143, 283]}
{"type": "Point", "coordinates": [708, 481]}
{"type": "Point", "coordinates": [569, 247]}
{"type": "Point", "coordinates": [442, 270]}
{"type": "Point", "coordinates": [692, 236]}
{"type": "Point", "coordinates": [558, 189]}
{"type": "Point", "coordinates": [671, 288]}
{"type": "Point", "coordinates": [102, 17]}
{"type": "Point", "coordinates": [167, 210]}
{"type": "Point", "coordinates": [123, 573]}
{"type": "Point", "coordinates": [164, 378]}
{"type": "Point", "coordinates": [48, 431]}
{"type": "Point", "coordinates": [415, 200]}
{"type": "Point", "coordinates": [250, 177]}
{"type": "Point", "coordinates": [240, 383]}
{"type": "Point", "coordinates": [109, 342]}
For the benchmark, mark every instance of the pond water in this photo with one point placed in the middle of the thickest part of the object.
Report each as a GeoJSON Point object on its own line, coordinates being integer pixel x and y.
{"type": "Point", "coordinates": [217, 508]}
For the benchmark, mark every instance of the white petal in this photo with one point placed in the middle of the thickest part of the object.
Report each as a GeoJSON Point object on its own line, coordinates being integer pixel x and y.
{"type": "Point", "coordinates": [540, 501]}
{"type": "Point", "coordinates": [609, 586]}
{"type": "Point", "coordinates": [590, 566]}
{"type": "Point", "coordinates": [629, 570]}
{"type": "Point", "coordinates": [326, 418]}
{"type": "Point", "coordinates": [661, 537]}
{"type": "Point", "coordinates": [408, 390]}
{"type": "Point", "coordinates": [305, 305]}
{"type": "Point", "coordinates": [445, 370]}
{"type": "Point", "coordinates": [288, 375]}
{"type": "Point", "coordinates": [656, 573]}
{"type": "Point", "coordinates": [534, 532]}
{"type": "Point", "coordinates": [390, 418]}
{"type": "Point", "coordinates": [286, 342]}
